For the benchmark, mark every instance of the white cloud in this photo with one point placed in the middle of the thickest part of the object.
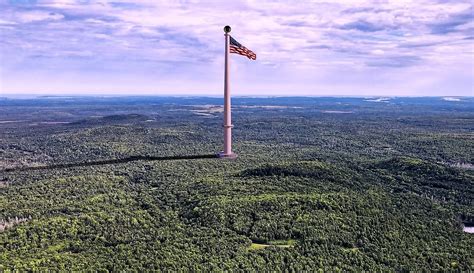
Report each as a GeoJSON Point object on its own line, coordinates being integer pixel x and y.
{"type": "Point", "coordinates": [310, 44]}
{"type": "Point", "coordinates": [32, 16]}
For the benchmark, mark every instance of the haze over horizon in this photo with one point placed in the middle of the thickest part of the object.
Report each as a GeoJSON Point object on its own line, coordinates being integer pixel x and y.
{"type": "Point", "coordinates": [342, 48]}
{"type": "Point", "coordinates": [455, 98]}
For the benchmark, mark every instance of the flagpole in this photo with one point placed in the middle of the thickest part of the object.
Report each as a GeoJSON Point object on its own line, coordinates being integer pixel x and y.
{"type": "Point", "coordinates": [227, 153]}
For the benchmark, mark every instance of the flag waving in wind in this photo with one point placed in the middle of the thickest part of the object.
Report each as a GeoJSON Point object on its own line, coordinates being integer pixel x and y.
{"type": "Point", "coordinates": [237, 48]}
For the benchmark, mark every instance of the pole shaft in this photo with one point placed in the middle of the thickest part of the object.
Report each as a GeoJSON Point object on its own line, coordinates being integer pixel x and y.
{"type": "Point", "coordinates": [227, 106]}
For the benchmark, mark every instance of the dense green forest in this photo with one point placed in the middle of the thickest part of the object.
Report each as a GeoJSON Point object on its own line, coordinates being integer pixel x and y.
{"type": "Point", "coordinates": [335, 184]}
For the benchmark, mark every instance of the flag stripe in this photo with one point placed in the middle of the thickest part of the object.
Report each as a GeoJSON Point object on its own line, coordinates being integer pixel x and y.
{"type": "Point", "coordinates": [237, 48]}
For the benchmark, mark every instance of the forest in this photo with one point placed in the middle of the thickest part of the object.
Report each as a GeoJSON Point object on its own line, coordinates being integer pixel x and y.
{"type": "Point", "coordinates": [320, 183]}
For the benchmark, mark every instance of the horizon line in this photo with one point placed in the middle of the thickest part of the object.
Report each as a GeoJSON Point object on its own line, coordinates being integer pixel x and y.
{"type": "Point", "coordinates": [46, 95]}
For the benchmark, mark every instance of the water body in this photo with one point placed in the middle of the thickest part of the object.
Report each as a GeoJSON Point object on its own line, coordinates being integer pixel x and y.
{"type": "Point", "coordinates": [468, 229]}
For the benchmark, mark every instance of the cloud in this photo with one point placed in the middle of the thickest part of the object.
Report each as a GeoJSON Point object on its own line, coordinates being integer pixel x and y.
{"type": "Point", "coordinates": [32, 16]}
{"type": "Point", "coordinates": [306, 44]}
{"type": "Point", "coordinates": [364, 26]}
{"type": "Point", "coordinates": [453, 22]}
{"type": "Point", "coordinates": [395, 61]}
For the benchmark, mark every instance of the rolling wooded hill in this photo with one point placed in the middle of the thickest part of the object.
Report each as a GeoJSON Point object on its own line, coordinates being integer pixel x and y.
{"type": "Point", "coordinates": [334, 184]}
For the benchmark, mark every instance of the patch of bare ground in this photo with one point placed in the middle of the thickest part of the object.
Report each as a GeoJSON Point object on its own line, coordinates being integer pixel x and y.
{"type": "Point", "coordinates": [11, 222]}
{"type": "Point", "coordinates": [467, 166]}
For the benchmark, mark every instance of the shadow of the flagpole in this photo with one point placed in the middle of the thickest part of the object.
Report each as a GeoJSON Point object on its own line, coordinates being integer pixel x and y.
{"type": "Point", "coordinates": [110, 161]}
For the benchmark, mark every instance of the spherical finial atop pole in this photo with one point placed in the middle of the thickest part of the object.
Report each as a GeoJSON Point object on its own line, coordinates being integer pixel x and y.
{"type": "Point", "coordinates": [227, 29]}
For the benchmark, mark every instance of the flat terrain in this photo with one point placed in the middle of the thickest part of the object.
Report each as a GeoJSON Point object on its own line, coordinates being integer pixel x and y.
{"type": "Point", "coordinates": [320, 183]}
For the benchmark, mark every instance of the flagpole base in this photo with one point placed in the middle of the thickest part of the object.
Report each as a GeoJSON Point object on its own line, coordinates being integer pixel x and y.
{"type": "Point", "coordinates": [227, 156]}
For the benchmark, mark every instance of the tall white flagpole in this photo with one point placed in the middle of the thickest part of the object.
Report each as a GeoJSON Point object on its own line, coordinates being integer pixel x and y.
{"type": "Point", "coordinates": [227, 153]}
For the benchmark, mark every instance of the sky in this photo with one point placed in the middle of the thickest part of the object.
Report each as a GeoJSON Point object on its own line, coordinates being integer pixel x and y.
{"type": "Point", "coordinates": [176, 47]}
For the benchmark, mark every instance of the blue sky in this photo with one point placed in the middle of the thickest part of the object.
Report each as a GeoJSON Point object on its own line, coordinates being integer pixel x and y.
{"type": "Point", "coordinates": [367, 48]}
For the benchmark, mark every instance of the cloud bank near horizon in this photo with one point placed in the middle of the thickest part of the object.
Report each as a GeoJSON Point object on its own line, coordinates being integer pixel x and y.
{"type": "Point", "coordinates": [357, 47]}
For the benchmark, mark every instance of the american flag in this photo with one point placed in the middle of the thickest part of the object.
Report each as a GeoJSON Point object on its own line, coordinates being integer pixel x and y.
{"type": "Point", "coordinates": [236, 47]}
